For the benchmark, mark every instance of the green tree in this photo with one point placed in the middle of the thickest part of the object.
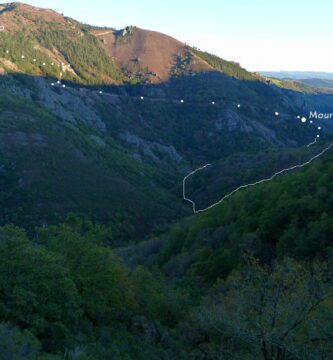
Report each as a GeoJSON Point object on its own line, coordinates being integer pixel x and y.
{"type": "Point", "coordinates": [100, 277]}
{"type": "Point", "coordinates": [282, 314]}
{"type": "Point", "coordinates": [157, 300]}
{"type": "Point", "coordinates": [36, 291]}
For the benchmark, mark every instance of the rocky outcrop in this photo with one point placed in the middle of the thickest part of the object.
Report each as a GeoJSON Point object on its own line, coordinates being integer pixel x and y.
{"type": "Point", "coordinates": [154, 150]}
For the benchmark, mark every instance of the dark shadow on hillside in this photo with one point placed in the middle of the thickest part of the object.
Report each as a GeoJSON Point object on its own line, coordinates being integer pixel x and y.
{"type": "Point", "coordinates": [199, 131]}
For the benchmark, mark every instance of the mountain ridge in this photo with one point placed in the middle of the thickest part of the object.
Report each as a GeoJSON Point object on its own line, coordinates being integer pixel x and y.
{"type": "Point", "coordinates": [140, 54]}
{"type": "Point", "coordinates": [298, 75]}
{"type": "Point", "coordinates": [133, 128]}
{"type": "Point", "coordinates": [101, 257]}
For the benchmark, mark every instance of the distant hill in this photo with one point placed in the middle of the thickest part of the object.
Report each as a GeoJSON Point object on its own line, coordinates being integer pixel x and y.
{"type": "Point", "coordinates": [298, 75]}
{"type": "Point", "coordinates": [319, 83]}
{"type": "Point", "coordinates": [319, 80]}
{"type": "Point", "coordinates": [101, 55]}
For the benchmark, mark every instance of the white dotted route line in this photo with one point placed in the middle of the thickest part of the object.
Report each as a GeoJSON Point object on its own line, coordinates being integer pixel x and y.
{"type": "Point", "coordinates": [195, 211]}
{"type": "Point", "coordinates": [303, 119]}
{"type": "Point", "coordinates": [65, 66]}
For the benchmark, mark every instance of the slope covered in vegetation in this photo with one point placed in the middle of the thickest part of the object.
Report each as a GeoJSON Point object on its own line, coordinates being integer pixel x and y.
{"type": "Point", "coordinates": [226, 303]}
{"type": "Point", "coordinates": [288, 217]}
{"type": "Point", "coordinates": [91, 125]}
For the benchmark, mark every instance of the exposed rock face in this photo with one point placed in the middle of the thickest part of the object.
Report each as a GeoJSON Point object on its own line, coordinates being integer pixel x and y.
{"type": "Point", "coordinates": [153, 150]}
{"type": "Point", "coordinates": [6, 65]}
{"type": "Point", "coordinates": [233, 121]}
{"type": "Point", "coordinates": [67, 105]}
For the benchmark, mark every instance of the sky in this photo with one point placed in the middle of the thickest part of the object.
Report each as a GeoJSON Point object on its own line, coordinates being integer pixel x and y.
{"type": "Point", "coordinates": [259, 34]}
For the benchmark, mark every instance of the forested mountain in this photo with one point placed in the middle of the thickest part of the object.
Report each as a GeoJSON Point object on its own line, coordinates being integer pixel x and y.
{"type": "Point", "coordinates": [288, 217]}
{"type": "Point", "coordinates": [101, 257]}
{"type": "Point", "coordinates": [113, 150]}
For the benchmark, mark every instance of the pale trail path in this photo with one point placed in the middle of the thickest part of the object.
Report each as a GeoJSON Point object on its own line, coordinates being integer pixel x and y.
{"type": "Point", "coordinates": [104, 33]}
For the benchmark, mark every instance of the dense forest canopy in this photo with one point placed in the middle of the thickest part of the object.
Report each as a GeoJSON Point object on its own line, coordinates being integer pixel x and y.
{"type": "Point", "coordinates": [100, 257]}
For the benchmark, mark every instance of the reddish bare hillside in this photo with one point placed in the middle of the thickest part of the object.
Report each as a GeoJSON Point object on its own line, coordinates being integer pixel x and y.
{"type": "Point", "coordinates": [144, 49]}
{"type": "Point", "coordinates": [131, 55]}
{"type": "Point", "coordinates": [17, 16]}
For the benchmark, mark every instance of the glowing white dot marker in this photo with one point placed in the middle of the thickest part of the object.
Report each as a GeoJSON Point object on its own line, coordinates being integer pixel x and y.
{"type": "Point", "coordinates": [101, 92]}
{"type": "Point", "coordinates": [319, 127]}
{"type": "Point", "coordinates": [7, 51]}
{"type": "Point", "coordinates": [52, 84]}
{"type": "Point", "coordinates": [311, 122]}
{"type": "Point", "coordinates": [52, 64]}
{"type": "Point", "coordinates": [64, 86]}
{"type": "Point", "coordinates": [58, 82]}
{"type": "Point", "coordinates": [22, 57]}
{"type": "Point", "coordinates": [44, 64]}
{"type": "Point", "coordinates": [298, 117]}
{"type": "Point", "coordinates": [34, 60]}
{"type": "Point", "coordinates": [318, 136]}
{"type": "Point", "coordinates": [303, 119]}
{"type": "Point", "coordinates": [141, 97]}
{"type": "Point", "coordinates": [181, 100]}
{"type": "Point", "coordinates": [238, 105]}
{"type": "Point", "coordinates": [277, 113]}
{"type": "Point", "coordinates": [213, 102]}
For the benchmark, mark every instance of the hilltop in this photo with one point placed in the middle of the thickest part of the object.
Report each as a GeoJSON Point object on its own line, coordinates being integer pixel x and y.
{"type": "Point", "coordinates": [134, 55]}
{"type": "Point", "coordinates": [100, 256]}
{"type": "Point", "coordinates": [128, 153]}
